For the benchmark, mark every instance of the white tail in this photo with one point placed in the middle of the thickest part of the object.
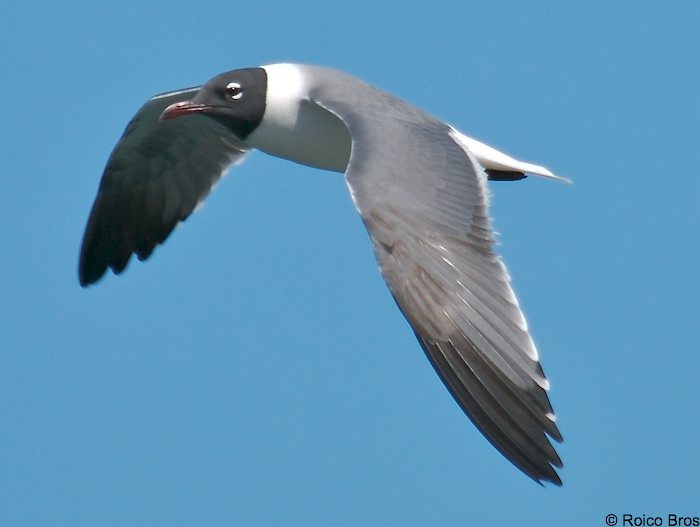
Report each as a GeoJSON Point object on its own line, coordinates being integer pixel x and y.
{"type": "Point", "coordinates": [490, 158]}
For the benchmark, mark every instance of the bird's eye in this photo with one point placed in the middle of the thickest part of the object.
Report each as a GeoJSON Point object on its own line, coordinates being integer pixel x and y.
{"type": "Point", "coordinates": [234, 90]}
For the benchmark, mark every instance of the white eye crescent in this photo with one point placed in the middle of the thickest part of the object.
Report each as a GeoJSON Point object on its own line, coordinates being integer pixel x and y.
{"type": "Point", "coordinates": [234, 90]}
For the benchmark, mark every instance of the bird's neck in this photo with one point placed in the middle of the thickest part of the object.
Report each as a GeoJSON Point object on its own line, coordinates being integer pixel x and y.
{"type": "Point", "coordinates": [297, 129]}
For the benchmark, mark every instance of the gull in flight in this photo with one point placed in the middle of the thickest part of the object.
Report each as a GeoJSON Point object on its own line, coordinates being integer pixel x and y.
{"type": "Point", "coordinates": [420, 187]}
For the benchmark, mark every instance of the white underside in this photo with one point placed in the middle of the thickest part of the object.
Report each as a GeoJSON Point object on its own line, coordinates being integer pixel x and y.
{"type": "Point", "coordinates": [296, 129]}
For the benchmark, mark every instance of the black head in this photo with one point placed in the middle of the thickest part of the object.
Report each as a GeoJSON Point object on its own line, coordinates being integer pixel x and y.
{"type": "Point", "coordinates": [236, 99]}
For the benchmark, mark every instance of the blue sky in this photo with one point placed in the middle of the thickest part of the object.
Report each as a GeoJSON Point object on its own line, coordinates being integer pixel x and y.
{"type": "Point", "coordinates": [255, 371]}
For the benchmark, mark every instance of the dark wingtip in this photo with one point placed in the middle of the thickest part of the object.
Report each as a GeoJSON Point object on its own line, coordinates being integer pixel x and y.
{"type": "Point", "coordinates": [554, 479]}
{"type": "Point", "coordinates": [87, 279]}
{"type": "Point", "coordinates": [95, 258]}
{"type": "Point", "coordinates": [89, 273]}
{"type": "Point", "coordinates": [504, 175]}
{"type": "Point", "coordinates": [94, 263]}
{"type": "Point", "coordinates": [556, 482]}
{"type": "Point", "coordinates": [84, 282]}
{"type": "Point", "coordinates": [543, 476]}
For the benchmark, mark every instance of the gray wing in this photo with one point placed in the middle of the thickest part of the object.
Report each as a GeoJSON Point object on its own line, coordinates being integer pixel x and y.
{"type": "Point", "coordinates": [423, 200]}
{"type": "Point", "coordinates": [154, 178]}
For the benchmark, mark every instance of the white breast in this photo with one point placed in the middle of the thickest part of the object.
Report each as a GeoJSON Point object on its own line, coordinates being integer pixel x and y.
{"type": "Point", "coordinates": [295, 128]}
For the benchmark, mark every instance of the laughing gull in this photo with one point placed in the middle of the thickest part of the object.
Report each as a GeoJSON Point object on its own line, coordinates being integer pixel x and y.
{"type": "Point", "coordinates": [419, 186]}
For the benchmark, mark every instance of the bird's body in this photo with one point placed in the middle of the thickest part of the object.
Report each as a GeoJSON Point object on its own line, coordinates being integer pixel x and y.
{"type": "Point", "coordinates": [419, 186]}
